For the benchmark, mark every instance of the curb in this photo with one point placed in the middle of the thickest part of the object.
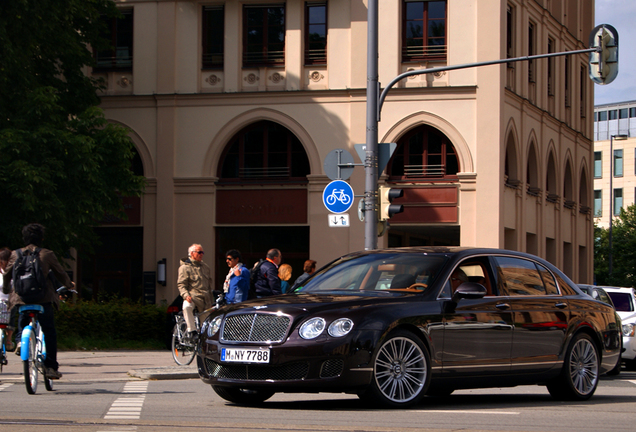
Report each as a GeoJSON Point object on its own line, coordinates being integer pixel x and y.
{"type": "Point", "coordinates": [165, 373]}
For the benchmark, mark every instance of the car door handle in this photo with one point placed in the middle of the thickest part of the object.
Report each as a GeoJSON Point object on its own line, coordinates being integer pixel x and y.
{"type": "Point", "coordinates": [502, 306]}
{"type": "Point", "coordinates": [561, 305]}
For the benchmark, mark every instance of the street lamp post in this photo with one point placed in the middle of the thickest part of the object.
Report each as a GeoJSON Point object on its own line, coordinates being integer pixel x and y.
{"type": "Point", "coordinates": [611, 197]}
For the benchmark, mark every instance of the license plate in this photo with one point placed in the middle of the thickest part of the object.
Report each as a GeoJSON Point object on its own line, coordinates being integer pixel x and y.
{"type": "Point", "coordinates": [245, 355]}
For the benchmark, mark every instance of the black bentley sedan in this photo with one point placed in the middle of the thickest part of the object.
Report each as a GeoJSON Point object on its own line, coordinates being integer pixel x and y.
{"type": "Point", "coordinates": [395, 325]}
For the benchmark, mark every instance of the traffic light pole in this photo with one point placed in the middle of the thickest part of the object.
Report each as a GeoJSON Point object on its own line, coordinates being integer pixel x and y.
{"type": "Point", "coordinates": [374, 108]}
{"type": "Point", "coordinates": [371, 156]}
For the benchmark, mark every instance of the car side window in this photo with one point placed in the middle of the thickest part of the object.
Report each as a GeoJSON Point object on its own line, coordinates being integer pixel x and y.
{"type": "Point", "coordinates": [548, 280]}
{"type": "Point", "coordinates": [470, 270]}
{"type": "Point", "coordinates": [519, 277]}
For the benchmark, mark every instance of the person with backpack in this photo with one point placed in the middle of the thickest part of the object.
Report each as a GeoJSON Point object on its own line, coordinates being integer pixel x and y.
{"type": "Point", "coordinates": [25, 274]}
{"type": "Point", "coordinates": [237, 281]}
{"type": "Point", "coordinates": [267, 280]}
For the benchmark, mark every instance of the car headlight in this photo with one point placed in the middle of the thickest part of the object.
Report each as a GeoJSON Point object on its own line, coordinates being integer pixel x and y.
{"type": "Point", "coordinates": [214, 325]}
{"type": "Point", "coordinates": [312, 329]}
{"type": "Point", "coordinates": [629, 329]}
{"type": "Point", "coordinates": [340, 327]}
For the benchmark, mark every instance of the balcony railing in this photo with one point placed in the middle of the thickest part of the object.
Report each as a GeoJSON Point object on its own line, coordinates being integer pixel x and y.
{"type": "Point", "coordinates": [276, 58]}
{"type": "Point", "coordinates": [424, 52]}
{"type": "Point", "coordinates": [264, 172]}
{"type": "Point", "coordinates": [419, 171]}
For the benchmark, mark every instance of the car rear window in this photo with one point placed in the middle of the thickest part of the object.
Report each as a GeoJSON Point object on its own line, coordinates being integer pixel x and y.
{"type": "Point", "coordinates": [622, 301]}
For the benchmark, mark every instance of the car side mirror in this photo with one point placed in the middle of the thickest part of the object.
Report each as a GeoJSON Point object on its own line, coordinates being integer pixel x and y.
{"type": "Point", "coordinates": [469, 290]}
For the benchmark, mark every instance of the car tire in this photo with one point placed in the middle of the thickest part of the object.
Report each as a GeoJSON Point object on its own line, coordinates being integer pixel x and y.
{"type": "Point", "coordinates": [401, 372]}
{"type": "Point", "coordinates": [580, 373]}
{"type": "Point", "coordinates": [243, 396]}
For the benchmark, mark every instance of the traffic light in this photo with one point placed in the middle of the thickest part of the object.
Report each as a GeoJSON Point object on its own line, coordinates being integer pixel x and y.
{"type": "Point", "coordinates": [604, 62]}
{"type": "Point", "coordinates": [386, 195]}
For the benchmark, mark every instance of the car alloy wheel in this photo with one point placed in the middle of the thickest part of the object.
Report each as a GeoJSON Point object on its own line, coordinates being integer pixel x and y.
{"type": "Point", "coordinates": [579, 377]}
{"type": "Point", "coordinates": [401, 370]}
{"type": "Point", "coordinates": [584, 366]}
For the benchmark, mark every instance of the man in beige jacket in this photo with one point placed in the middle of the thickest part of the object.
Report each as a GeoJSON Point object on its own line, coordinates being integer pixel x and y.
{"type": "Point", "coordinates": [195, 286]}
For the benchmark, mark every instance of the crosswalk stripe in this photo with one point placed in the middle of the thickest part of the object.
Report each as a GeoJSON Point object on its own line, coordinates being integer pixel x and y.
{"type": "Point", "coordinates": [129, 407]}
{"type": "Point", "coordinates": [5, 386]}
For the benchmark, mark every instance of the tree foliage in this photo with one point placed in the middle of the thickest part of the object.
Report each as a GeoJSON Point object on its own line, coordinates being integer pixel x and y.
{"type": "Point", "coordinates": [623, 251]}
{"type": "Point", "coordinates": [61, 163]}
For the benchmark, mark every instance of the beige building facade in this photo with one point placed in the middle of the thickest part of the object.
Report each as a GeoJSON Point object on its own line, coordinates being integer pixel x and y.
{"type": "Point", "coordinates": [614, 136]}
{"type": "Point", "coordinates": [234, 105]}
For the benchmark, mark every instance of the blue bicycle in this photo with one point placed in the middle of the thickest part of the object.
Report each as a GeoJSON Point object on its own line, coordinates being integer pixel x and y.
{"type": "Point", "coordinates": [33, 350]}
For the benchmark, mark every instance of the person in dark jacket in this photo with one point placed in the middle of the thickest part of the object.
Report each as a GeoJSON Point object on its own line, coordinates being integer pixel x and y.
{"type": "Point", "coordinates": [33, 236]}
{"type": "Point", "coordinates": [309, 268]}
{"type": "Point", "coordinates": [267, 280]}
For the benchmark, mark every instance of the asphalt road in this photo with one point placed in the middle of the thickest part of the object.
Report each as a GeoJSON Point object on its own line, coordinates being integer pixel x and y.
{"type": "Point", "coordinates": [101, 391]}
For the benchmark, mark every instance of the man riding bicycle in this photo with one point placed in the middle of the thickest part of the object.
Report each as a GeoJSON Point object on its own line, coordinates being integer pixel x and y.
{"type": "Point", "coordinates": [33, 236]}
{"type": "Point", "coordinates": [194, 283]}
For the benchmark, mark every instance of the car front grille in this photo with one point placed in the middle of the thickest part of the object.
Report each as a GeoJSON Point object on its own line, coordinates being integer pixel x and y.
{"type": "Point", "coordinates": [255, 327]}
{"type": "Point", "coordinates": [289, 372]}
{"type": "Point", "coordinates": [331, 368]}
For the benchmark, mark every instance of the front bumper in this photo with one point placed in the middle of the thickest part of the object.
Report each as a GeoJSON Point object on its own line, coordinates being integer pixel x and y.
{"type": "Point", "coordinates": [629, 344]}
{"type": "Point", "coordinates": [322, 364]}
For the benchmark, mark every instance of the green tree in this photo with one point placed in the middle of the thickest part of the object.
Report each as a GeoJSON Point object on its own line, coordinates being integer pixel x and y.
{"type": "Point", "coordinates": [623, 250]}
{"type": "Point", "coordinates": [61, 163]}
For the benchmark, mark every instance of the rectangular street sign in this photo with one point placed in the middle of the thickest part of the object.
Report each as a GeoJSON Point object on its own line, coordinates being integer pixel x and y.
{"type": "Point", "coordinates": [338, 220]}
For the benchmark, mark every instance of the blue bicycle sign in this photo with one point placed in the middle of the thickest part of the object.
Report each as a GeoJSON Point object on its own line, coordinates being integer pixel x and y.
{"type": "Point", "coordinates": [338, 196]}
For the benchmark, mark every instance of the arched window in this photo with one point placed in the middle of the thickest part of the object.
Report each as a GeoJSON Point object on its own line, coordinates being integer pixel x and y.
{"type": "Point", "coordinates": [264, 151]}
{"type": "Point", "coordinates": [510, 165]}
{"type": "Point", "coordinates": [423, 153]}
{"type": "Point", "coordinates": [551, 180]}
{"type": "Point", "coordinates": [583, 193]}
{"type": "Point", "coordinates": [532, 175]}
{"type": "Point", "coordinates": [568, 187]}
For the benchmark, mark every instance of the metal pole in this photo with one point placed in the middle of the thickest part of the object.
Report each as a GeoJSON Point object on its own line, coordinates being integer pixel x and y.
{"type": "Point", "coordinates": [371, 159]}
{"type": "Point", "coordinates": [611, 205]}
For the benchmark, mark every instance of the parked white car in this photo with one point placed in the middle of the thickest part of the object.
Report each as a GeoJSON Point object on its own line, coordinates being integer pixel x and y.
{"type": "Point", "coordinates": [624, 300]}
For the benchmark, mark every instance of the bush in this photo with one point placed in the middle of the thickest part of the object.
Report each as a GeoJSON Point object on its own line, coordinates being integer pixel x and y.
{"type": "Point", "coordinates": [115, 323]}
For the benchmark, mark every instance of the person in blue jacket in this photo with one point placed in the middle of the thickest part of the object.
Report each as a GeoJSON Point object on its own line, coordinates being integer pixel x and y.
{"type": "Point", "coordinates": [237, 281]}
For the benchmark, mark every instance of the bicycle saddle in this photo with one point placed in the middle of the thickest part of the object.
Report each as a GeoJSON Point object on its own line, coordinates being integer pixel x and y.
{"type": "Point", "coordinates": [31, 307]}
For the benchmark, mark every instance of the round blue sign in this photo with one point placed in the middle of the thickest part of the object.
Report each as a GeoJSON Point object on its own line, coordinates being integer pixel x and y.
{"type": "Point", "coordinates": [338, 196]}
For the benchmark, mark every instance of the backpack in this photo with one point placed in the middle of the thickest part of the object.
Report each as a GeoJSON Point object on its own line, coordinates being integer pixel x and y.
{"type": "Point", "coordinates": [253, 278]}
{"type": "Point", "coordinates": [29, 282]}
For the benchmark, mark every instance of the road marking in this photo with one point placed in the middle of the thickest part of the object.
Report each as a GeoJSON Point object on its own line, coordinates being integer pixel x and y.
{"type": "Point", "coordinates": [129, 407]}
{"type": "Point", "coordinates": [469, 412]}
{"type": "Point", "coordinates": [5, 386]}
{"type": "Point", "coordinates": [632, 381]}
{"type": "Point", "coordinates": [119, 429]}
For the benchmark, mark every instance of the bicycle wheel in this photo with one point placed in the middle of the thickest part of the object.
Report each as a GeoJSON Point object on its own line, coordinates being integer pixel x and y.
{"type": "Point", "coordinates": [48, 383]}
{"type": "Point", "coordinates": [182, 351]}
{"type": "Point", "coordinates": [30, 365]}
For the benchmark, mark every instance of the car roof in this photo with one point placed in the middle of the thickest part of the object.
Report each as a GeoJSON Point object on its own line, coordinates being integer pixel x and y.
{"type": "Point", "coordinates": [617, 289]}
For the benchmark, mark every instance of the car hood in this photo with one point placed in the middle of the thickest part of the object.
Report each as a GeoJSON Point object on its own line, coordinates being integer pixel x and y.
{"type": "Point", "coordinates": [305, 304]}
{"type": "Point", "coordinates": [627, 316]}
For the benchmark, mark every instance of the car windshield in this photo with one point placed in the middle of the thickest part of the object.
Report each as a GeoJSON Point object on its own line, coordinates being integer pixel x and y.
{"type": "Point", "coordinates": [377, 272]}
{"type": "Point", "coordinates": [622, 301]}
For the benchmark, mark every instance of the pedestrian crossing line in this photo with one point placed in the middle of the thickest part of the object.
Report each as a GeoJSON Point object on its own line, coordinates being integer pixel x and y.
{"type": "Point", "coordinates": [5, 386]}
{"type": "Point", "coordinates": [632, 381]}
{"type": "Point", "coordinates": [136, 387]}
{"type": "Point", "coordinates": [129, 407]}
{"type": "Point", "coordinates": [119, 429]}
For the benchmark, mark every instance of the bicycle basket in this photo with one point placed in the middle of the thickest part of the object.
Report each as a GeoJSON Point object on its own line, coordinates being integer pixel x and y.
{"type": "Point", "coordinates": [4, 313]}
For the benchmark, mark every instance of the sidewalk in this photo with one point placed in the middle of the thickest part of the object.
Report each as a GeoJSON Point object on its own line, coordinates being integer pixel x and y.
{"type": "Point", "coordinates": [121, 365]}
